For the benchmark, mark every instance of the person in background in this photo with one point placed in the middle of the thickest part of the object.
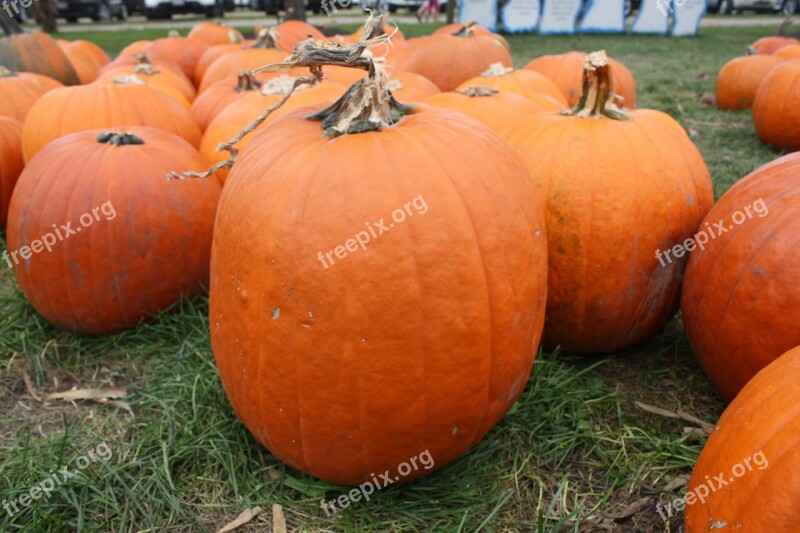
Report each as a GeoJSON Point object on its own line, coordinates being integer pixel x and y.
{"type": "Point", "coordinates": [428, 8]}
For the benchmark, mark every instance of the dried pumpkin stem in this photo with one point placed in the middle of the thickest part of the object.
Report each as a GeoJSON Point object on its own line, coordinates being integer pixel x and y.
{"type": "Point", "coordinates": [119, 139]}
{"type": "Point", "coordinates": [478, 90]}
{"type": "Point", "coordinates": [467, 30]}
{"type": "Point", "coordinates": [598, 98]}
{"type": "Point", "coordinates": [5, 73]}
{"type": "Point", "coordinates": [246, 82]}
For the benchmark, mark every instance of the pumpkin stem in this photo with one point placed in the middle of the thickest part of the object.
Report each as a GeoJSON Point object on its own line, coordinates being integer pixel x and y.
{"type": "Point", "coordinates": [143, 59]}
{"type": "Point", "coordinates": [145, 69]}
{"type": "Point", "coordinates": [129, 79]}
{"type": "Point", "coordinates": [496, 69]}
{"type": "Point", "coordinates": [266, 39]}
{"type": "Point", "coordinates": [247, 82]}
{"type": "Point", "coordinates": [598, 95]}
{"type": "Point", "coordinates": [173, 33]}
{"type": "Point", "coordinates": [234, 37]}
{"type": "Point", "coordinates": [478, 90]}
{"type": "Point", "coordinates": [5, 73]}
{"type": "Point", "coordinates": [467, 30]}
{"type": "Point", "coordinates": [119, 139]}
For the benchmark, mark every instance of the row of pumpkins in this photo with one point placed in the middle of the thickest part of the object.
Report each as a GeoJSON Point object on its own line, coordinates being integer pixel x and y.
{"type": "Point", "coordinates": [549, 195]}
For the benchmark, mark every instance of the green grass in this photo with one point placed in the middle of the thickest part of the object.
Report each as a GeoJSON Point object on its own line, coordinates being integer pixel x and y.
{"type": "Point", "coordinates": [573, 453]}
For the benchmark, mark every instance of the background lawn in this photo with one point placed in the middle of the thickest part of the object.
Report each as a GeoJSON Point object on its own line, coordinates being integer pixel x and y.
{"type": "Point", "coordinates": [576, 452]}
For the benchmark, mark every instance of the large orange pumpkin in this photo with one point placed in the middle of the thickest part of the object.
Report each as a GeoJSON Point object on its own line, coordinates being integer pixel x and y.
{"type": "Point", "coordinates": [527, 83]}
{"type": "Point", "coordinates": [747, 477]}
{"type": "Point", "coordinates": [11, 162]}
{"type": "Point", "coordinates": [34, 52]}
{"type": "Point", "coordinates": [410, 87]}
{"type": "Point", "coordinates": [213, 33]}
{"type": "Point", "coordinates": [87, 248]}
{"type": "Point", "coordinates": [103, 106]}
{"type": "Point", "coordinates": [212, 54]}
{"type": "Point", "coordinates": [19, 90]}
{"type": "Point", "coordinates": [449, 60]}
{"type": "Point", "coordinates": [738, 80]}
{"type": "Point", "coordinates": [290, 32]}
{"type": "Point", "coordinates": [741, 292]}
{"type": "Point", "coordinates": [217, 97]}
{"type": "Point", "coordinates": [788, 52]}
{"type": "Point", "coordinates": [776, 107]}
{"type": "Point", "coordinates": [185, 51]}
{"type": "Point", "coordinates": [157, 77]}
{"type": "Point", "coordinates": [566, 71]}
{"type": "Point", "coordinates": [618, 187]}
{"type": "Point", "coordinates": [501, 112]}
{"type": "Point", "coordinates": [294, 298]}
{"type": "Point", "coordinates": [239, 113]}
{"type": "Point", "coordinates": [259, 54]}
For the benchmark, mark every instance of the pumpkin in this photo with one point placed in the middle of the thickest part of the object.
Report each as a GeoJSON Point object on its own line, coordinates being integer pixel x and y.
{"type": "Point", "coordinates": [771, 44]}
{"type": "Point", "coordinates": [449, 60]}
{"type": "Point", "coordinates": [616, 185]}
{"type": "Point", "coordinates": [156, 77]}
{"type": "Point", "coordinates": [212, 54]}
{"type": "Point", "coordinates": [738, 80]}
{"type": "Point", "coordinates": [84, 63]}
{"type": "Point", "coordinates": [349, 395]}
{"type": "Point", "coordinates": [19, 90]}
{"type": "Point", "coordinates": [157, 84]}
{"type": "Point", "coordinates": [213, 34]}
{"type": "Point", "coordinates": [501, 112]}
{"type": "Point", "coordinates": [459, 28]}
{"type": "Point", "coordinates": [242, 111]}
{"type": "Point", "coordinates": [410, 87]}
{"type": "Point", "coordinates": [566, 71]}
{"type": "Point", "coordinates": [741, 291]}
{"type": "Point", "coordinates": [158, 62]}
{"type": "Point", "coordinates": [184, 51]}
{"type": "Point", "coordinates": [118, 270]}
{"type": "Point", "coordinates": [788, 52]}
{"type": "Point", "coordinates": [291, 32]}
{"type": "Point", "coordinates": [209, 104]}
{"type": "Point", "coordinates": [11, 162]}
{"type": "Point", "coordinates": [134, 49]}
{"type": "Point", "coordinates": [746, 477]}
{"type": "Point", "coordinates": [775, 108]}
{"type": "Point", "coordinates": [88, 48]}
{"type": "Point", "coordinates": [259, 54]}
{"type": "Point", "coordinates": [33, 52]}
{"type": "Point", "coordinates": [103, 106]}
{"type": "Point", "coordinates": [528, 83]}
{"type": "Point", "coordinates": [397, 59]}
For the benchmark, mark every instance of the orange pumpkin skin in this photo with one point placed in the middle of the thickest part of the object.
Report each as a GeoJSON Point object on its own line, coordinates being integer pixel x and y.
{"type": "Point", "coordinates": [598, 200]}
{"type": "Point", "coordinates": [456, 27]}
{"type": "Point", "coordinates": [154, 76]}
{"type": "Point", "coordinates": [39, 53]}
{"type": "Point", "coordinates": [85, 64]}
{"type": "Point", "coordinates": [136, 47]}
{"type": "Point", "coordinates": [747, 279]}
{"type": "Point", "coordinates": [757, 440]}
{"type": "Point", "coordinates": [788, 52]}
{"type": "Point", "coordinates": [410, 87]}
{"type": "Point", "coordinates": [448, 61]}
{"type": "Point", "coordinates": [501, 112]}
{"type": "Point", "coordinates": [771, 44]}
{"type": "Point", "coordinates": [213, 34]}
{"type": "Point", "coordinates": [217, 97]}
{"type": "Point", "coordinates": [103, 106]}
{"type": "Point", "coordinates": [291, 32]}
{"type": "Point", "coordinates": [11, 162]}
{"type": "Point", "coordinates": [738, 80]}
{"type": "Point", "coordinates": [239, 113]}
{"type": "Point", "coordinates": [209, 56]}
{"type": "Point", "coordinates": [429, 381]}
{"type": "Point", "coordinates": [775, 107]}
{"type": "Point", "coordinates": [184, 51]}
{"type": "Point", "coordinates": [566, 71]}
{"type": "Point", "coordinates": [232, 63]}
{"type": "Point", "coordinates": [19, 91]}
{"type": "Point", "coordinates": [527, 83]}
{"type": "Point", "coordinates": [114, 272]}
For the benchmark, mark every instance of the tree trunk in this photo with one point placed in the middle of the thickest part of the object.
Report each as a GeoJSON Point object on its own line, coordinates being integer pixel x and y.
{"type": "Point", "coordinates": [295, 9]}
{"type": "Point", "coordinates": [451, 11]}
{"type": "Point", "coordinates": [47, 12]}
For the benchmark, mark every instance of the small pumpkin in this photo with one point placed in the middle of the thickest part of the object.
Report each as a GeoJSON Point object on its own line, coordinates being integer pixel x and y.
{"type": "Point", "coordinates": [450, 60]}
{"type": "Point", "coordinates": [771, 44]}
{"type": "Point", "coordinates": [738, 80]}
{"type": "Point", "coordinates": [776, 107]}
{"type": "Point", "coordinates": [746, 478]}
{"type": "Point", "coordinates": [527, 83]}
{"type": "Point", "coordinates": [501, 112]}
{"type": "Point", "coordinates": [128, 261]}
{"type": "Point", "coordinates": [741, 291]}
{"type": "Point", "coordinates": [11, 162]}
{"type": "Point", "coordinates": [616, 184]}
{"type": "Point", "coordinates": [213, 34]}
{"type": "Point", "coordinates": [103, 106]}
{"type": "Point", "coordinates": [19, 91]}
{"type": "Point", "coordinates": [34, 52]}
{"type": "Point", "coordinates": [89, 48]}
{"type": "Point", "coordinates": [184, 51]}
{"type": "Point", "coordinates": [566, 71]}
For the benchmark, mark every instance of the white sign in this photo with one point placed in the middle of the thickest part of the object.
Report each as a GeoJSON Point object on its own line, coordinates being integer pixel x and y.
{"type": "Point", "coordinates": [653, 17]}
{"type": "Point", "coordinates": [484, 12]}
{"type": "Point", "coordinates": [604, 16]}
{"type": "Point", "coordinates": [559, 16]}
{"type": "Point", "coordinates": [687, 16]}
{"type": "Point", "coordinates": [521, 16]}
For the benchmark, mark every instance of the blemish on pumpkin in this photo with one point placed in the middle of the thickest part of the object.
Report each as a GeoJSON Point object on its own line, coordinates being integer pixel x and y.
{"type": "Point", "coordinates": [276, 313]}
{"type": "Point", "coordinates": [243, 295]}
{"type": "Point", "coordinates": [363, 339]}
{"type": "Point", "coordinates": [310, 314]}
{"type": "Point", "coordinates": [537, 233]}
{"type": "Point", "coordinates": [455, 430]}
{"type": "Point", "coordinates": [719, 524]}
{"type": "Point", "coordinates": [306, 325]}
{"type": "Point", "coordinates": [758, 272]}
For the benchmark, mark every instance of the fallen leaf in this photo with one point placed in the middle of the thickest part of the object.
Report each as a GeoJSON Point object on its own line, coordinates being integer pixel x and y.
{"type": "Point", "coordinates": [29, 385]}
{"type": "Point", "coordinates": [278, 520]}
{"type": "Point", "coordinates": [245, 518]}
{"type": "Point", "coordinates": [678, 482]}
{"type": "Point", "coordinates": [87, 394]}
{"type": "Point", "coordinates": [680, 415]}
{"type": "Point", "coordinates": [631, 509]}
